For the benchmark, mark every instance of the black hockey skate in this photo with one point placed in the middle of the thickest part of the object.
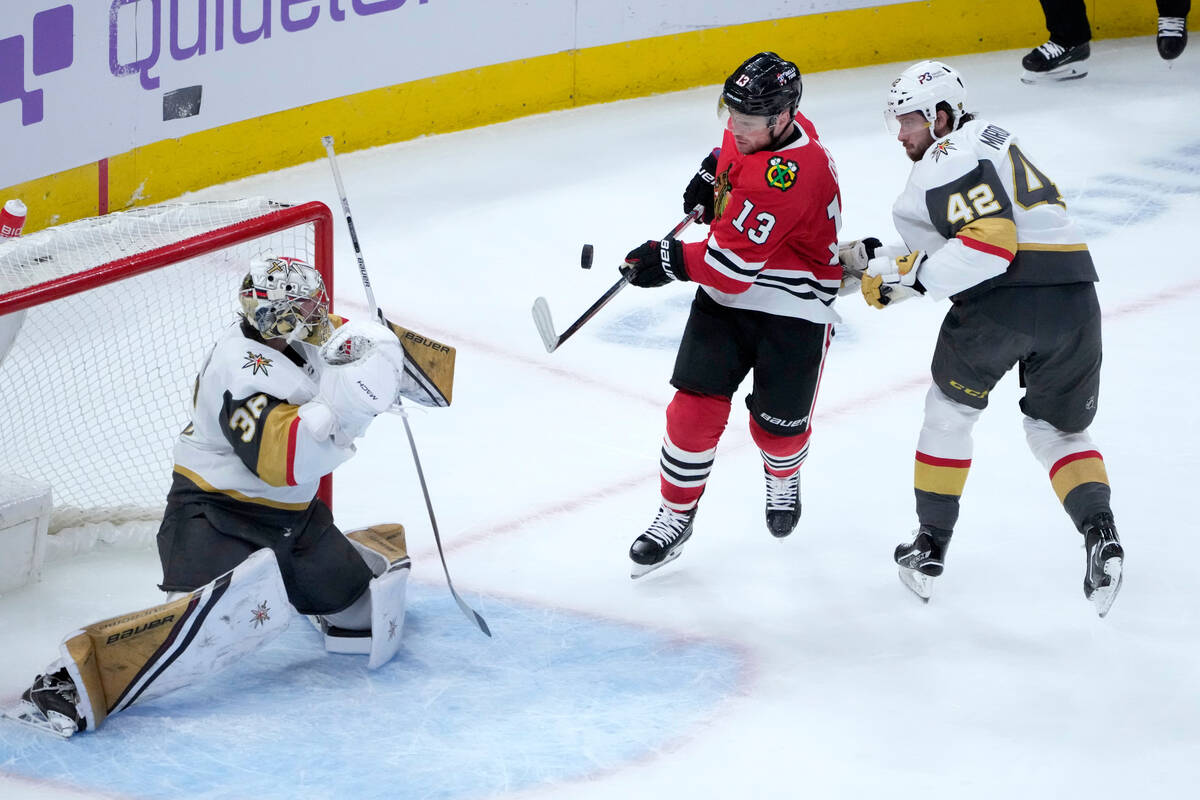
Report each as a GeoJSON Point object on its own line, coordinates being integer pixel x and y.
{"type": "Point", "coordinates": [662, 542]}
{"type": "Point", "coordinates": [1105, 560]}
{"type": "Point", "coordinates": [1053, 62]}
{"type": "Point", "coordinates": [51, 705]}
{"type": "Point", "coordinates": [783, 503]}
{"type": "Point", "coordinates": [923, 559]}
{"type": "Point", "coordinates": [1172, 36]}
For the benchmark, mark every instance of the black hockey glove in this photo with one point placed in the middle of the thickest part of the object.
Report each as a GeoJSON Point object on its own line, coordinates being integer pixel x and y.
{"type": "Point", "coordinates": [701, 190]}
{"type": "Point", "coordinates": [655, 263]}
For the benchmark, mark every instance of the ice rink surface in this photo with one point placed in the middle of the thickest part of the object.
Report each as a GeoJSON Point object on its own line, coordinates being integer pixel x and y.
{"type": "Point", "coordinates": [750, 667]}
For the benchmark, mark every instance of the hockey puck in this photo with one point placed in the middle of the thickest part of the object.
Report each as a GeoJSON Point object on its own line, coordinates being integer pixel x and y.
{"type": "Point", "coordinates": [585, 258]}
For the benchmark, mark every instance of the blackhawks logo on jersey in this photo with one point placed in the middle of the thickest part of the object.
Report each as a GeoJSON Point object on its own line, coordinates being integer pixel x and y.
{"type": "Point", "coordinates": [942, 148]}
{"type": "Point", "coordinates": [722, 194]}
{"type": "Point", "coordinates": [781, 174]}
{"type": "Point", "coordinates": [256, 362]}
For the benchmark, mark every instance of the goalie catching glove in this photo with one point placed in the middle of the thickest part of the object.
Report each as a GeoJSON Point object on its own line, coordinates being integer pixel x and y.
{"type": "Point", "coordinates": [363, 364]}
{"type": "Point", "coordinates": [655, 263]}
{"type": "Point", "coordinates": [888, 280]}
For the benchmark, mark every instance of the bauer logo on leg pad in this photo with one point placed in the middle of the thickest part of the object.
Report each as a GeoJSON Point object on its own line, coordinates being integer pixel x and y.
{"type": "Point", "coordinates": [118, 661]}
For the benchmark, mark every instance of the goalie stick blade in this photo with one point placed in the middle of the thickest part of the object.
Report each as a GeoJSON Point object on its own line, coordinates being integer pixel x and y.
{"type": "Point", "coordinates": [473, 615]}
{"type": "Point", "coordinates": [920, 583]}
{"type": "Point", "coordinates": [545, 325]}
{"type": "Point", "coordinates": [29, 716]}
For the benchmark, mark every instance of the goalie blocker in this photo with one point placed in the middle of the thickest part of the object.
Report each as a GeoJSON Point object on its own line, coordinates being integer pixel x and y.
{"type": "Point", "coordinates": [105, 667]}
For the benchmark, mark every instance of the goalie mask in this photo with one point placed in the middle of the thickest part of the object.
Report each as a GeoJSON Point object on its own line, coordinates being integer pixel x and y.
{"type": "Point", "coordinates": [285, 297]}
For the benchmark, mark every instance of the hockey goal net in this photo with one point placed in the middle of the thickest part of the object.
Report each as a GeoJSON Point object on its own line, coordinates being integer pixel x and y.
{"type": "Point", "coordinates": [108, 321]}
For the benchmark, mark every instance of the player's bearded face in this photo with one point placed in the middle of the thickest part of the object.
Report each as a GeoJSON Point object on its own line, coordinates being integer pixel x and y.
{"type": "Point", "coordinates": [751, 133]}
{"type": "Point", "coordinates": [914, 134]}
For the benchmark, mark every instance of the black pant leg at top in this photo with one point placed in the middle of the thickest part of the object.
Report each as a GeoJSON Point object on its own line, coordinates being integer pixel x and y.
{"type": "Point", "coordinates": [204, 535]}
{"type": "Point", "coordinates": [1067, 22]}
{"type": "Point", "coordinates": [721, 345]}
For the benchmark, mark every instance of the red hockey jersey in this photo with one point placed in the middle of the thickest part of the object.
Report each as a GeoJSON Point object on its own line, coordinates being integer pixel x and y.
{"type": "Point", "coordinates": [773, 244]}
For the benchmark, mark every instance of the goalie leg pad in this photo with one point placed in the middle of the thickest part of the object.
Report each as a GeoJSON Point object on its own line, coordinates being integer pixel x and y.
{"type": "Point", "coordinates": [384, 549]}
{"type": "Point", "coordinates": [149, 653]}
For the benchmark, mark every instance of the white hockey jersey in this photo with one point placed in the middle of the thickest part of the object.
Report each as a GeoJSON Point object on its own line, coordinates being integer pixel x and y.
{"type": "Point", "coordinates": [245, 439]}
{"type": "Point", "coordinates": [986, 216]}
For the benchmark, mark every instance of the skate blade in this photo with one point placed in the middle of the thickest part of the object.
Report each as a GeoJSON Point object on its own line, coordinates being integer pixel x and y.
{"type": "Point", "coordinates": [27, 714]}
{"type": "Point", "coordinates": [1070, 72]}
{"type": "Point", "coordinates": [639, 570]}
{"type": "Point", "coordinates": [920, 583]}
{"type": "Point", "coordinates": [1103, 597]}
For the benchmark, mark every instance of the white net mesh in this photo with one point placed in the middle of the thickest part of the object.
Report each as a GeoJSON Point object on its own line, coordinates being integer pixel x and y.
{"type": "Point", "coordinates": [97, 385]}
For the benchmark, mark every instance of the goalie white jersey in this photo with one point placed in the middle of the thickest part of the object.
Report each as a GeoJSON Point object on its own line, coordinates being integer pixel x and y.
{"type": "Point", "coordinates": [987, 217]}
{"type": "Point", "coordinates": [245, 439]}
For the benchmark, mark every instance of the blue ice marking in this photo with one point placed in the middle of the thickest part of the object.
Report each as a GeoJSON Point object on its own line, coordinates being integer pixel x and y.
{"type": "Point", "coordinates": [555, 696]}
{"type": "Point", "coordinates": [1115, 201]}
{"type": "Point", "coordinates": [655, 326]}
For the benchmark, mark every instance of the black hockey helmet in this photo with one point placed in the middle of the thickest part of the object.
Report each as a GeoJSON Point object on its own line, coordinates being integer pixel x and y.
{"type": "Point", "coordinates": [764, 85]}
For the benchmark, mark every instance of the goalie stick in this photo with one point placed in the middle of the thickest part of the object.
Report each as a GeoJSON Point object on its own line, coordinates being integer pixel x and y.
{"type": "Point", "coordinates": [541, 309]}
{"type": "Point", "coordinates": [467, 611]}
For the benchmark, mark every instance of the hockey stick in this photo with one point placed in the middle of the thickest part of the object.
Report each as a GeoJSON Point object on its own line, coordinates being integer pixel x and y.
{"type": "Point", "coordinates": [541, 309]}
{"type": "Point", "coordinates": [467, 611]}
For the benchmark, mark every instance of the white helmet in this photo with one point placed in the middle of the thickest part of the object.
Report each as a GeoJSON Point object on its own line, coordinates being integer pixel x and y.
{"type": "Point", "coordinates": [920, 88]}
{"type": "Point", "coordinates": [285, 297]}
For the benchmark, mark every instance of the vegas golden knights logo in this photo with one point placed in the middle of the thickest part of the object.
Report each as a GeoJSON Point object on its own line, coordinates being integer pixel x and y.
{"type": "Point", "coordinates": [256, 362]}
{"type": "Point", "coordinates": [722, 194]}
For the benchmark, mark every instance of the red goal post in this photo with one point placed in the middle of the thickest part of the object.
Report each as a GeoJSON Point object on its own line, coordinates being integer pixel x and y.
{"type": "Point", "coordinates": [106, 322]}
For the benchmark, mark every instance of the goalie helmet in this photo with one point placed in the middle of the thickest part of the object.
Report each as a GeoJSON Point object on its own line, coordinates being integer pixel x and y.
{"type": "Point", "coordinates": [285, 297]}
{"type": "Point", "coordinates": [763, 86]}
{"type": "Point", "coordinates": [921, 88]}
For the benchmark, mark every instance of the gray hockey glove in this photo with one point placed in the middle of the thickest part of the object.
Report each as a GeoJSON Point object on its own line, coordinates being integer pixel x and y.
{"type": "Point", "coordinates": [889, 280]}
{"type": "Point", "coordinates": [655, 263]}
{"type": "Point", "coordinates": [853, 257]}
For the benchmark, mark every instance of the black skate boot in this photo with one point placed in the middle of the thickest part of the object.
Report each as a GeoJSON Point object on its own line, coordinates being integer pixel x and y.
{"type": "Point", "coordinates": [51, 704]}
{"type": "Point", "coordinates": [783, 503]}
{"type": "Point", "coordinates": [662, 541]}
{"type": "Point", "coordinates": [1053, 62]}
{"type": "Point", "coordinates": [923, 559]}
{"type": "Point", "coordinates": [1172, 36]}
{"type": "Point", "coordinates": [1105, 560]}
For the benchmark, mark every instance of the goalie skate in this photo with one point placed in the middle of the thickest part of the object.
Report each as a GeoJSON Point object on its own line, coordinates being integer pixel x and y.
{"type": "Point", "coordinates": [26, 713]}
{"type": "Point", "coordinates": [50, 705]}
